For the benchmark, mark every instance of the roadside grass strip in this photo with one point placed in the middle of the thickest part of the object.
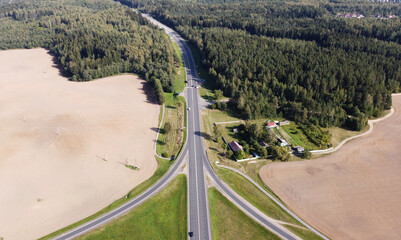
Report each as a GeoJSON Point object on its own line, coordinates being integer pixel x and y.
{"type": "Point", "coordinates": [180, 76]}
{"type": "Point", "coordinates": [164, 216]}
{"type": "Point", "coordinates": [163, 166]}
{"type": "Point", "coordinates": [169, 143]}
{"type": "Point", "coordinates": [229, 222]}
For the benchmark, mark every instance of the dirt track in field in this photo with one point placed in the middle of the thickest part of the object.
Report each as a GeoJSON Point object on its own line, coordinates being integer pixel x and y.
{"type": "Point", "coordinates": [354, 193]}
{"type": "Point", "coordinates": [63, 145]}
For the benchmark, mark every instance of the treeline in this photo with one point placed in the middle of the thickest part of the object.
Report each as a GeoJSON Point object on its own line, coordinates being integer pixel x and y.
{"type": "Point", "coordinates": [297, 59]}
{"type": "Point", "coordinates": [90, 39]}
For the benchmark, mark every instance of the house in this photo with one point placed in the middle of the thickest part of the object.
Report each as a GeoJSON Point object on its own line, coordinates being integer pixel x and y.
{"type": "Point", "coordinates": [271, 125]}
{"type": "Point", "coordinates": [283, 142]}
{"type": "Point", "coordinates": [285, 122]}
{"type": "Point", "coordinates": [299, 149]}
{"type": "Point", "coordinates": [235, 146]}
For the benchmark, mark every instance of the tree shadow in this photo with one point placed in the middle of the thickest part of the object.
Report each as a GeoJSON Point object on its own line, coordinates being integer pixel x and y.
{"type": "Point", "coordinates": [149, 92]}
{"type": "Point", "coordinates": [203, 134]}
{"type": "Point", "coordinates": [214, 149]}
{"type": "Point", "coordinates": [57, 64]}
{"type": "Point", "coordinates": [161, 130]}
{"type": "Point", "coordinates": [154, 129]}
{"type": "Point", "coordinates": [172, 107]}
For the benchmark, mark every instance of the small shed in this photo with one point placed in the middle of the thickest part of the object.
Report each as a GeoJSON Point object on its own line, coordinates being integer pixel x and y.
{"type": "Point", "coordinates": [235, 130]}
{"type": "Point", "coordinates": [235, 146]}
{"type": "Point", "coordinates": [285, 122]}
{"type": "Point", "coordinates": [283, 142]}
{"type": "Point", "coordinates": [299, 149]}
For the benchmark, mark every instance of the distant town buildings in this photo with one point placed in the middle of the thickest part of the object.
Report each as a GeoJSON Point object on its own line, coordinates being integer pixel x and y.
{"type": "Point", "coordinates": [360, 15]}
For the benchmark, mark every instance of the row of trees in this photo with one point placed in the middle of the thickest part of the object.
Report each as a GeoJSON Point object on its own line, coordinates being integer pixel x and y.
{"type": "Point", "coordinates": [91, 39]}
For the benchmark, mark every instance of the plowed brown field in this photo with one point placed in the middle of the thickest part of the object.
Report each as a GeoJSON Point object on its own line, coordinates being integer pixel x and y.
{"type": "Point", "coordinates": [63, 145]}
{"type": "Point", "coordinates": [354, 193]}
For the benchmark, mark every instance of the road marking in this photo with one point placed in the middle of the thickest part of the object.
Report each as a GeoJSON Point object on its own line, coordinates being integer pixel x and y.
{"type": "Point", "coordinates": [196, 172]}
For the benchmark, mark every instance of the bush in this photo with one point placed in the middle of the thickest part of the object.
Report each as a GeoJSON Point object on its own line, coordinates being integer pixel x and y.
{"type": "Point", "coordinates": [167, 127]}
{"type": "Point", "coordinates": [229, 153]}
{"type": "Point", "coordinates": [306, 154]}
{"type": "Point", "coordinates": [165, 155]}
{"type": "Point", "coordinates": [240, 154]}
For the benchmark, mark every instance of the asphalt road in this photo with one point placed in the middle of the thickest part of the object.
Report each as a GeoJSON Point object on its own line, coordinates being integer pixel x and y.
{"type": "Point", "coordinates": [198, 160]}
{"type": "Point", "coordinates": [198, 207]}
{"type": "Point", "coordinates": [198, 163]}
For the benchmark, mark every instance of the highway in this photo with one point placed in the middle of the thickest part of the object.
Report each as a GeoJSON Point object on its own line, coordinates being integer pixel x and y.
{"type": "Point", "coordinates": [198, 165]}
{"type": "Point", "coordinates": [198, 160]}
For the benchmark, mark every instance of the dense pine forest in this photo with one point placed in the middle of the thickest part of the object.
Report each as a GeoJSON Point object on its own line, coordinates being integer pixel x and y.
{"type": "Point", "coordinates": [90, 38]}
{"type": "Point", "coordinates": [329, 63]}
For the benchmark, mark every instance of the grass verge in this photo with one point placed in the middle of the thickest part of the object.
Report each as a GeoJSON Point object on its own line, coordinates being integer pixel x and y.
{"type": "Point", "coordinates": [164, 216]}
{"type": "Point", "coordinates": [163, 166]}
{"type": "Point", "coordinates": [229, 222]}
{"type": "Point", "coordinates": [180, 77]}
{"type": "Point", "coordinates": [303, 233]}
{"type": "Point", "coordinates": [170, 142]}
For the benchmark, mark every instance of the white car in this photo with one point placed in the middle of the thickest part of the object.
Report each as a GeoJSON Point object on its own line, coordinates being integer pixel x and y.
{"type": "Point", "coordinates": [189, 109]}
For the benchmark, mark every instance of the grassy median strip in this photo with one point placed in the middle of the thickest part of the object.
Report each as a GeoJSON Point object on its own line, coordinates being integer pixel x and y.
{"type": "Point", "coordinates": [164, 216]}
{"type": "Point", "coordinates": [257, 198]}
{"type": "Point", "coordinates": [180, 77]}
{"type": "Point", "coordinates": [229, 222]}
{"type": "Point", "coordinates": [163, 166]}
{"type": "Point", "coordinates": [171, 137]}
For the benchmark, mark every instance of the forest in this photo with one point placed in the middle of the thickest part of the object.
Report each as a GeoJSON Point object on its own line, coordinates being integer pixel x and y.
{"type": "Point", "coordinates": [90, 39]}
{"type": "Point", "coordinates": [297, 59]}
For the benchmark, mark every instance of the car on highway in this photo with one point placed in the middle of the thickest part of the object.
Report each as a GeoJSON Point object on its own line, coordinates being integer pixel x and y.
{"type": "Point", "coordinates": [191, 234]}
{"type": "Point", "coordinates": [189, 109]}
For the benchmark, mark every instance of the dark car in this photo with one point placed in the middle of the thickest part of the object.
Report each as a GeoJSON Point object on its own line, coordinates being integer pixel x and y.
{"type": "Point", "coordinates": [191, 234]}
{"type": "Point", "coordinates": [172, 158]}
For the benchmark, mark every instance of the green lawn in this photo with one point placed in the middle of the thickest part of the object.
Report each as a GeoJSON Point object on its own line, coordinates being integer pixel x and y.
{"type": "Point", "coordinates": [180, 77]}
{"type": "Point", "coordinates": [339, 134]}
{"type": "Point", "coordinates": [228, 222]}
{"type": "Point", "coordinates": [170, 143]}
{"type": "Point", "coordinates": [303, 233]}
{"type": "Point", "coordinates": [258, 199]}
{"type": "Point", "coordinates": [163, 166]}
{"type": "Point", "coordinates": [164, 216]}
{"type": "Point", "coordinates": [296, 137]}
{"type": "Point", "coordinates": [252, 194]}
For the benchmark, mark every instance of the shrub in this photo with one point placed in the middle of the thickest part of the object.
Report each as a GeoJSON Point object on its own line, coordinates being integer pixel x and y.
{"type": "Point", "coordinates": [165, 155]}
{"type": "Point", "coordinates": [167, 127]}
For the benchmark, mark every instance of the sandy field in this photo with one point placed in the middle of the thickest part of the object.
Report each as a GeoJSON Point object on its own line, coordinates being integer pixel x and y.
{"type": "Point", "coordinates": [354, 193]}
{"type": "Point", "coordinates": [63, 145]}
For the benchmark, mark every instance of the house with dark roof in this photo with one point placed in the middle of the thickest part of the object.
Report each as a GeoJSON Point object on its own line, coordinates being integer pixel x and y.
{"type": "Point", "coordinates": [235, 146]}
